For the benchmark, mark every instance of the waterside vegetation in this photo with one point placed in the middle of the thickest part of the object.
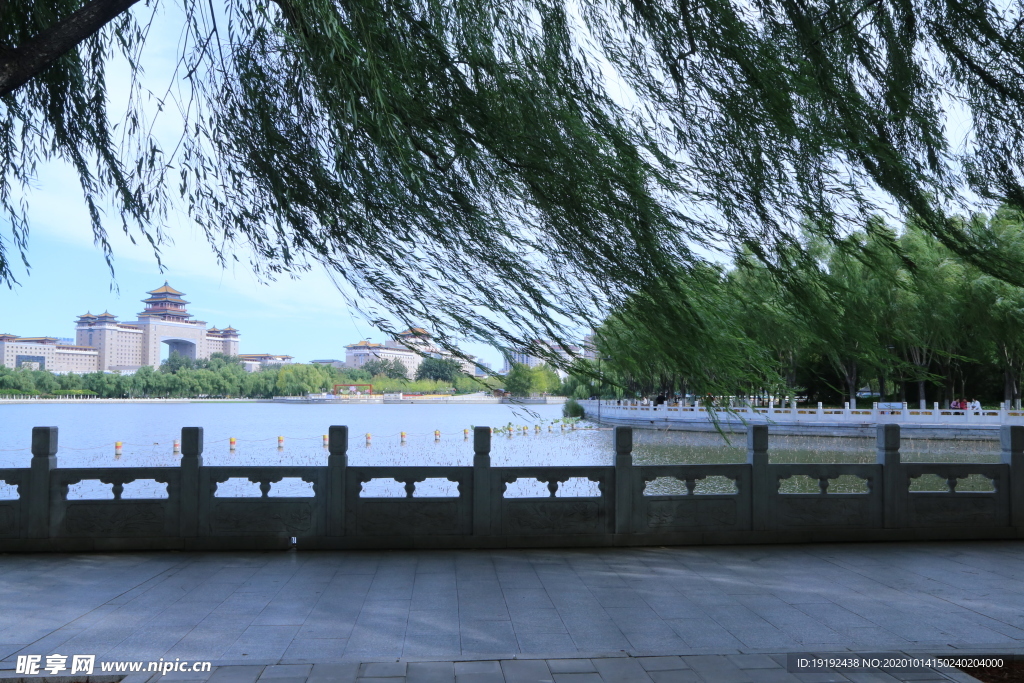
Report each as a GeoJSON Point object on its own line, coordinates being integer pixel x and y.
{"type": "Point", "coordinates": [221, 377]}
{"type": "Point", "coordinates": [883, 313]}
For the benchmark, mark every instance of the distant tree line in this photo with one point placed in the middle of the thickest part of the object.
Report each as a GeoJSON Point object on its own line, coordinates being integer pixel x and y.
{"type": "Point", "coordinates": [895, 313]}
{"type": "Point", "coordinates": [222, 376]}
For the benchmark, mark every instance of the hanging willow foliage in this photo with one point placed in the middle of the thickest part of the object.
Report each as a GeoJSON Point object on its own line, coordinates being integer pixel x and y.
{"type": "Point", "coordinates": [512, 170]}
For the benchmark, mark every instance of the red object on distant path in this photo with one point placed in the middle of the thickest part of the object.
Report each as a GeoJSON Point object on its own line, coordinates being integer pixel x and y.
{"type": "Point", "coordinates": [351, 387]}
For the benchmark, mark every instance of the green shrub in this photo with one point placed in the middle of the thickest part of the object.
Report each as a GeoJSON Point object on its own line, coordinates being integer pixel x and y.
{"type": "Point", "coordinates": [572, 408]}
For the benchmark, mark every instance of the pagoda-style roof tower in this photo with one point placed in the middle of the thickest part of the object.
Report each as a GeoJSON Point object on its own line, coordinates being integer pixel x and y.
{"type": "Point", "coordinates": [166, 303]}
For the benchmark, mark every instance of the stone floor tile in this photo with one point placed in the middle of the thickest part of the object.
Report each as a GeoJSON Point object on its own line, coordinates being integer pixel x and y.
{"type": "Point", "coordinates": [546, 643]}
{"type": "Point", "coordinates": [577, 678]}
{"type": "Point", "coordinates": [675, 676]}
{"type": "Point", "coordinates": [277, 671]}
{"type": "Point", "coordinates": [621, 670]}
{"type": "Point", "coordinates": [393, 679]}
{"type": "Point", "coordinates": [430, 672]}
{"type": "Point", "coordinates": [772, 676]}
{"type": "Point", "coordinates": [662, 663]}
{"type": "Point", "coordinates": [423, 645]}
{"type": "Point", "coordinates": [236, 674]}
{"type": "Point", "coordinates": [525, 671]}
{"type": "Point", "coordinates": [869, 677]}
{"type": "Point", "coordinates": [313, 650]}
{"type": "Point", "coordinates": [382, 669]}
{"type": "Point", "coordinates": [821, 677]}
{"type": "Point", "coordinates": [570, 666]}
{"type": "Point", "coordinates": [344, 672]}
{"type": "Point", "coordinates": [480, 677]}
{"type": "Point", "coordinates": [483, 667]}
{"type": "Point", "coordinates": [753, 661]}
{"type": "Point", "coordinates": [718, 669]}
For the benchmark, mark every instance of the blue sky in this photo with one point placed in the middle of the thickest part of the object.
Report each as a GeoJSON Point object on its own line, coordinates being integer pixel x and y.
{"type": "Point", "coordinates": [306, 318]}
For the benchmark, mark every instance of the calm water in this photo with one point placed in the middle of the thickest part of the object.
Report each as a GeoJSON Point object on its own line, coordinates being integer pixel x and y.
{"type": "Point", "coordinates": [88, 433]}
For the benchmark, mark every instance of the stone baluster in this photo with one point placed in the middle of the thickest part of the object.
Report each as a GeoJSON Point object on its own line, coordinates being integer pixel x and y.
{"type": "Point", "coordinates": [191, 497]}
{"type": "Point", "coordinates": [1011, 438]}
{"type": "Point", "coordinates": [337, 467]}
{"type": "Point", "coordinates": [44, 461]}
{"type": "Point", "coordinates": [762, 489]}
{"type": "Point", "coordinates": [481, 481]}
{"type": "Point", "coordinates": [624, 480]}
{"type": "Point", "coordinates": [887, 442]}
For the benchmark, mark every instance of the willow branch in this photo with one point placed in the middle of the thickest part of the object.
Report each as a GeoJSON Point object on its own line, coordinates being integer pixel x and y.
{"type": "Point", "coordinates": [23, 63]}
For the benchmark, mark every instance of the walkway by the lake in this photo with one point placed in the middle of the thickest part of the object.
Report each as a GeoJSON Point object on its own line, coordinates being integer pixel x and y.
{"type": "Point", "coordinates": [302, 608]}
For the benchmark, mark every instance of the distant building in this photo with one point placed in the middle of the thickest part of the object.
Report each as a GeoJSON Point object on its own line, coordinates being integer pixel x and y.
{"type": "Point", "coordinates": [334, 363]}
{"type": "Point", "coordinates": [45, 353]}
{"type": "Point", "coordinates": [253, 362]}
{"type": "Point", "coordinates": [567, 352]}
{"type": "Point", "coordinates": [402, 349]}
{"type": "Point", "coordinates": [105, 344]}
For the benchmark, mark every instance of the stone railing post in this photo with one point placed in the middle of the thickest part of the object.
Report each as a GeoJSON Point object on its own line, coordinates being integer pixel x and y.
{"type": "Point", "coordinates": [337, 464]}
{"type": "Point", "coordinates": [623, 480]}
{"type": "Point", "coordinates": [887, 442]}
{"type": "Point", "coordinates": [481, 481]}
{"type": "Point", "coordinates": [1011, 438]}
{"type": "Point", "coordinates": [760, 479]}
{"type": "Point", "coordinates": [44, 460]}
{"type": "Point", "coordinates": [191, 461]}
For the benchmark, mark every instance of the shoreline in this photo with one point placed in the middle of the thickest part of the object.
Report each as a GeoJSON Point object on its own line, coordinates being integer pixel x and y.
{"type": "Point", "coordinates": [865, 430]}
{"type": "Point", "coordinates": [296, 400]}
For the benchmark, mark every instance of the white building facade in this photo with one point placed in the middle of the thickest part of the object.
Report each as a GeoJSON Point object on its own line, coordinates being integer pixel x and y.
{"type": "Point", "coordinates": [402, 350]}
{"type": "Point", "coordinates": [105, 344]}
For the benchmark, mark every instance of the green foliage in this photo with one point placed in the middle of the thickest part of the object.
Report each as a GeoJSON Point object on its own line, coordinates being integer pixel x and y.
{"type": "Point", "coordinates": [544, 379]}
{"type": "Point", "coordinates": [389, 367]}
{"type": "Point", "coordinates": [917, 324]}
{"type": "Point", "coordinates": [437, 156]}
{"type": "Point", "coordinates": [571, 408]}
{"type": "Point", "coordinates": [218, 377]}
{"type": "Point", "coordinates": [439, 369]}
{"type": "Point", "coordinates": [519, 380]}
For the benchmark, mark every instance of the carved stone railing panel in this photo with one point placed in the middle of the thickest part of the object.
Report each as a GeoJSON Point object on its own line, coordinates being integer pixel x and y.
{"type": "Point", "coordinates": [953, 508]}
{"type": "Point", "coordinates": [436, 487]}
{"type": "Point", "coordinates": [578, 487]}
{"type": "Point", "coordinates": [553, 515]}
{"type": "Point", "coordinates": [331, 506]}
{"type": "Point", "coordinates": [114, 517]}
{"type": "Point", "coordinates": [824, 507]}
{"type": "Point", "coordinates": [409, 515]}
{"type": "Point", "coordinates": [691, 510]}
{"type": "Point", "coordinates": [386, 488]}
{"type": "Point", "coordinates": [266, 516]}
{"type": "Point", "coordinates": [13, 506]}
{"type": "Point", "coordinates": [293, 487]}
{"type": "Point", "coordinates": [527, 487]}
{"type": "Point", "coordinates": [238, 487]}
{"type": "Point", "coordinates": [145, 489]}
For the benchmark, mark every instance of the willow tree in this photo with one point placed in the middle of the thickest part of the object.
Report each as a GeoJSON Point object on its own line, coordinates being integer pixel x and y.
{"type": "Point", "coordinates": [510, 170]}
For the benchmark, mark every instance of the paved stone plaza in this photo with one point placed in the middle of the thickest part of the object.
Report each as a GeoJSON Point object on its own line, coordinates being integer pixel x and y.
{"type": "Point", "coordinates": [601, 608]}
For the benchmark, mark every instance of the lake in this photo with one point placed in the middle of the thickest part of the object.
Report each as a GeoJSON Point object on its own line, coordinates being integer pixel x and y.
{"type": "Point", "coordinates": [88, 433]}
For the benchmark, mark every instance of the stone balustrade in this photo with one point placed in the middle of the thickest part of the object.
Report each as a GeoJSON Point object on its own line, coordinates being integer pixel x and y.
{"type": "Point", "coordinates": [621, 508]}
{"type": "Point", "coordinates": [934, 422]}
